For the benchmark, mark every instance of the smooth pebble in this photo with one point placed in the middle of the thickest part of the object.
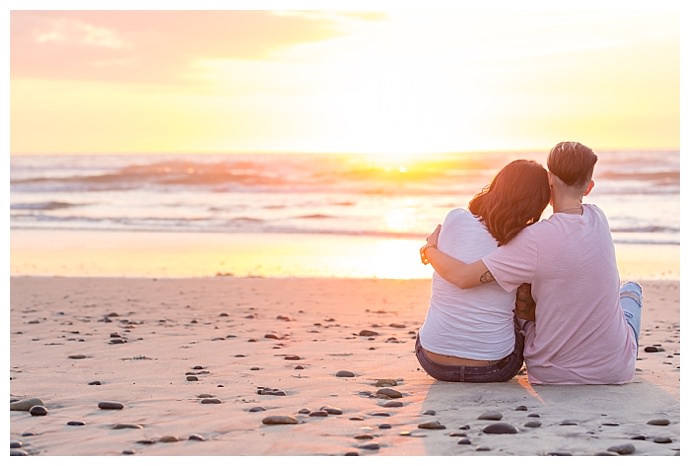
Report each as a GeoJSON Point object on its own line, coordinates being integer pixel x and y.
{"type": "Point", "coordinates": [110, 405]}
{"type": "Point", "coordinates": [277, 420]}
{"type": "Point", "coordinates": [500, 428]}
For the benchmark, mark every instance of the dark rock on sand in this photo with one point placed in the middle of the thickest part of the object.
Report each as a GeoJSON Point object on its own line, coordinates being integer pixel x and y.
{"type": "Point", "coordinates": [464, 441]}
{"type": "Point", "coordinates": [490, 416]}
{"type": "Point", "coordinates": [76, 423]}
{"type": "Point", "coordinates": [257, 409]}
{"type": "Point", "coordinates": [169, 439]}
{"type": "Point", "coordinates": [277, 420]}
{"type": "Point", "coordinates": [368, 333]}
{"type": "Point", "coordinates": [318, 414]}
{"type": "Point", "coordinates": [292, 357]}
{"type": "Point", "coordinates": [385, 426]}
{"type": "Point", "coordinates": [17, 444]}
{"type": "Point", "coordinates": [653, 349]}
{"type": "Point", "coordinates": [18, 452]}
{"type": "Point", "coordinates": [431, 425]}
{"type": "Point", "coordinates": [389, 392]}
{"type": "Point", "coordinates": [364, 437]}
{"type": "Point", "coordinates": [500, 428]}
{"type": "Point", "coordinates": [25, 404]}
{"type": "Point", "coordinates": [568, 422]}
{"type": "Point", "coordinates": [344, 374]}
{"type": "Point", "coordinates": [38, 410]}
{"type": "Point", "coordinates": [210, 401]}
{"type": "Point", "coordinates": [429, 412]}
{"type": "Point", "coordinates": [521, 408]}
{"type": "Point", "coordinates": [95, 382]}
{"type": "Point", "coordinates": [77, 356]}
{"type": "Point", "coordinates": [533, 424]}
{"type": "Point", "coordinates": [271, 391]}
{"type": "Point", "coordinates": [196, 437]}
{"type": "Point", "coordinates": [663, 440]}
{"type": "Point", "coordinates": [370, 446]}
{"type": "Point", "coordinates": [659, 422]}
{"type": "Point", "coordinates": [332, 410]}
{"type": "Point", "coordinates": [110, 405]}
{"type": "Point", "coordinates": [625, 449]}
{"type": "Point", "coordinates": [192, 378]}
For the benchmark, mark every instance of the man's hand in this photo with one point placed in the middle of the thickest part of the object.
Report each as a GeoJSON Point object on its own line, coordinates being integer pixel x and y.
{"type": "Point", "coordinates": [524, 303]}
{"type": "Point", "coordinates": [431, 242]}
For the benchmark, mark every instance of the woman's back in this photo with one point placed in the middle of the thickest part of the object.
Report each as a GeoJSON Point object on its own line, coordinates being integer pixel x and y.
{"type": "Point", "coordinates": [476, 323]}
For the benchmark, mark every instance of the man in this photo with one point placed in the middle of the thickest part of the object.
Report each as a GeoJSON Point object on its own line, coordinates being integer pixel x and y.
{"type": "Point", "coordinates": [587, 326]}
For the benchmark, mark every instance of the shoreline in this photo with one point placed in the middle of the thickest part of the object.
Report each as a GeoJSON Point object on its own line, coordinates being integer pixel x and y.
{"type": "Point", "coordinates": [188, 359]}
{"type": "Point", "coordinates": [180, 254]}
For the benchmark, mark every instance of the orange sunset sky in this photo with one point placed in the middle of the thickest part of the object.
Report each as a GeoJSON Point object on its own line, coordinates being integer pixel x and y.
{"type": "Point", "coordinates": [342, 80]}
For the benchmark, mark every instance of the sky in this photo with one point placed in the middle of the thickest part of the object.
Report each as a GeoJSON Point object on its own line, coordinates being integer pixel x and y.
{"type": "Point", "coordinates": [371, 79]}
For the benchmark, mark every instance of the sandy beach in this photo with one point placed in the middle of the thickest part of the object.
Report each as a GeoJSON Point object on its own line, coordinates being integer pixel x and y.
{"type": "Point", "coordinates": [299, 366]}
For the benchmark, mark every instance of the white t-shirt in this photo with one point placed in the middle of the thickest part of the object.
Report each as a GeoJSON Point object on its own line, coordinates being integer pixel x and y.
{"type": "Point", "coordinates": [580, 335]}
{"type": "Point", "coordinates": [474, 323]}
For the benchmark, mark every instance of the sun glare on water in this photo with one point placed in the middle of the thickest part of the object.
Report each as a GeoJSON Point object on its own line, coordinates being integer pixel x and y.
{"type": "Point", "coordinates": [391, 162]}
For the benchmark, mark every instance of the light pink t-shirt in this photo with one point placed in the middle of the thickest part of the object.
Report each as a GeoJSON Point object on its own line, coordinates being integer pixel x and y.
{"type": "Point", "coordinates": [580, 336]}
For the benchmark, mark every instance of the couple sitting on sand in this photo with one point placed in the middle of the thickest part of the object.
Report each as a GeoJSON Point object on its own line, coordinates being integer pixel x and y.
{"type": "Point", "coordinates": [509, 288]}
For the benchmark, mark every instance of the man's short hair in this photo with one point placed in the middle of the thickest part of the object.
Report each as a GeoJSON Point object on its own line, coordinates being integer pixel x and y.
{"type": "Point", "coordinates": [572, 162]}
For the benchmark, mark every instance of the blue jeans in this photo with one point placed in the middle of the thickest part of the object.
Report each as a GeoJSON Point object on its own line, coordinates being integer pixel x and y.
{"type": "Point", "coordinates": [631, 302]}
{"type": "Point", "coordinates": [500, 371]}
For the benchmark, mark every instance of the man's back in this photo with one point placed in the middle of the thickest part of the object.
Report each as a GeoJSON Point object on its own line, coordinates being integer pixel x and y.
{"type": "Point", "coordinates": [580, 335]}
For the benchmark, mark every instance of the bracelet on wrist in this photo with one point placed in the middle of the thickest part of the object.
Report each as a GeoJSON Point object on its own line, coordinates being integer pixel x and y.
{"type": "Point", "coordinates": [422, 252]}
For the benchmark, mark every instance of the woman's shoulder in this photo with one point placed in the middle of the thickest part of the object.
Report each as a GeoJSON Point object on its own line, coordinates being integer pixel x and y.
{"type": "Point", "coordinates": [458, 212]}
{"type": "Point", "coordinates": [460, 216]}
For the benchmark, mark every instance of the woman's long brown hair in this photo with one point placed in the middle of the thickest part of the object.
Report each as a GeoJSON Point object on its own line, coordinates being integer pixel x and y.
{"type": "Point", "coordinates": [516, 198]}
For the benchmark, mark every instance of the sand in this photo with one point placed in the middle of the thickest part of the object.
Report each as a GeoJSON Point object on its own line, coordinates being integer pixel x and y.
{"type": "Point", "coordinates": [199, 366]}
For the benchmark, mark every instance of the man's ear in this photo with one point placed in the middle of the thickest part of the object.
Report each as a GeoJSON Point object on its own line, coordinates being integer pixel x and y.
{"type": "Point", "coordinates": [589, 187]}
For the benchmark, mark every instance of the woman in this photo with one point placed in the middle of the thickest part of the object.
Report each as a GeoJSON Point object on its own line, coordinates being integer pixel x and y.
{"type": "Point", "coordinates": [472, 335]}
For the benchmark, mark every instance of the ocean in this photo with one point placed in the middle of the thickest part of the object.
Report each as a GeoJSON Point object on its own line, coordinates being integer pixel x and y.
{"type": "Point", "coordinates": [314, 194]}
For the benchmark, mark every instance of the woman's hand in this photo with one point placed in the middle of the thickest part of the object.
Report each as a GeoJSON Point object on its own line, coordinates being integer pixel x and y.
{"type": "Point", "coordinates": [525, 306]}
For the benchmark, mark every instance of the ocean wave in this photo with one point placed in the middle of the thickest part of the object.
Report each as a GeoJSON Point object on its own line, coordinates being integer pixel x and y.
{"type": "Point", "coordinates": [319, 195]}
{"type": "Point", "coordinates": [650, 234]}
{"type": "Point", "coordinates": [49, 205]}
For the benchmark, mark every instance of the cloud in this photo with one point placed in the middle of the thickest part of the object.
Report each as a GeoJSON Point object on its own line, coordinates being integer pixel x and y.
{"type": "Point", "coordinates": [154, 47]}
